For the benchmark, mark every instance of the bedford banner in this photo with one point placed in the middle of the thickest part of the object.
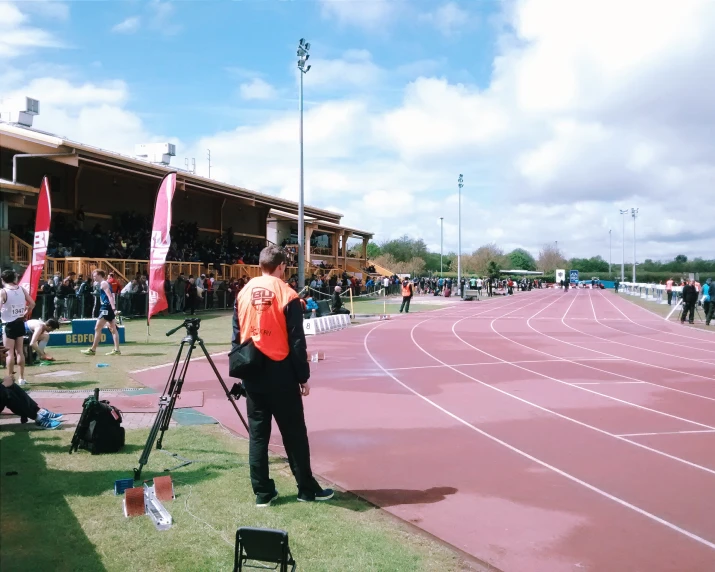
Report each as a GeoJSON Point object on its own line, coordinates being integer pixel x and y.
{"type": "Point", "coordinates": [160, 243]}
{"type": "Point", "coordinates": [31, 278]}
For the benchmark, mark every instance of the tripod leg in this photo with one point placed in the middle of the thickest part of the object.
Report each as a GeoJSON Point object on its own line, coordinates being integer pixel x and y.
{"type": "Point", "coordinates": [150, 440]}
{"type": "Point", "coordinates": [223, 384]}
{"type": "Point", "coordinates": [177, 384]}
{"type": "Point", "coordinates": [159, 421]}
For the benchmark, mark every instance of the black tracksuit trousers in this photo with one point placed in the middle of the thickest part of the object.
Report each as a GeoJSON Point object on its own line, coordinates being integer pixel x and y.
{"type": "Point", "coordinates": [277, 396]}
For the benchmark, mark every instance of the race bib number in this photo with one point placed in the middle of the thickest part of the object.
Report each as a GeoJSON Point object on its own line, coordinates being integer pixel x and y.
{"type": "Point", "coordinates": [103, 313]}
{"type": "Point", "coordinates": [18, 312]}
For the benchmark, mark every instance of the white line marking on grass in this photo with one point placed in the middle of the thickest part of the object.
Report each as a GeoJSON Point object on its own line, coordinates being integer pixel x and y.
{"type": "Point", "coordinates": [544, 464]}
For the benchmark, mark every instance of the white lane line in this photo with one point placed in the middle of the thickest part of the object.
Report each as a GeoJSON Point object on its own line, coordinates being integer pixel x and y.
{"type": "Point", "coordinates": [544, 464]}
{"type": "Point", "coordinates": [193, 358]}
{"type": "Point", "coordinates": [528, 323]}
{"type": "Point", "coordinates": [695, 335]}
{"type": "Point", "coordinates": [643, 407]}
{"type": "Point", "coordinates": [551, 411]}
{"type": "Point", "coordinates": [650, 338]}
{"type": "Point", "coordinates": [664, 332]}
{"type": "Point", "coordinates": [497, 363]}
{"type": "Point", "coordinates": [664, 433]}
{"type": "Point", "coordinates": [607, 382]}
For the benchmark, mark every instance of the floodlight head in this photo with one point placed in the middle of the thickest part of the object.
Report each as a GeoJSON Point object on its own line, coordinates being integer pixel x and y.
{"type": "Point", "coordinates": [302, 42]}
{"type": "Point", "coordinates": [307, 69]}
{"type": "Point", "coordinates": [307, 47]}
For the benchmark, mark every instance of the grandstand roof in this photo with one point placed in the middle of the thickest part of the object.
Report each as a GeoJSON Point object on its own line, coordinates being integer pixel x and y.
{"type": "Point", "coordinates": [28, 140]}
{"type": "Point", "coordinates": [322, 225]}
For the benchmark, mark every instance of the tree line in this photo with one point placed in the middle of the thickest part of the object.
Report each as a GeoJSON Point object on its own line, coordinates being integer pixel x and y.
{"type": "Point", "coordinates": [406, 255]}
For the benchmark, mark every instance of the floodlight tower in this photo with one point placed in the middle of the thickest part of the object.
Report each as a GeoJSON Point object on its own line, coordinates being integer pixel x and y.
{"type": "Point", "coordinates": [303, 49]}
{"type": "Point", "coordinates": [634, 214]}
{"type": "Point", "coordinates": [610, 252]}
{"type": "Point", "coordinates": [460, 184]}
{"type": "Point", "coordinates": [623, 252]}
{"type": "Point", "coordinates": [441, 244]}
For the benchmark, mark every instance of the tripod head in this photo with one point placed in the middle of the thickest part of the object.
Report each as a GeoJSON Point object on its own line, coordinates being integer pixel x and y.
{"type": "Point", "coordinates": [192, 326]}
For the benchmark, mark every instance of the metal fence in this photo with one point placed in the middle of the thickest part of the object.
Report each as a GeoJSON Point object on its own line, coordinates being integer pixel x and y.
{"type": "Point", "coordinates": [132, 305]}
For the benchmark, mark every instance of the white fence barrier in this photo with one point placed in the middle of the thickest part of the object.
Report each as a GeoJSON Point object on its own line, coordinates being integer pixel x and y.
{"type": "Point", "coordinates": [324, 324]}
{"type": "Point", "coordinates": [652, 292]}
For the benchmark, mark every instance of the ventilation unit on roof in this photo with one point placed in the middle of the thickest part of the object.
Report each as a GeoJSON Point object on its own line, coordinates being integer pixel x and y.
{"type": "Point", "coordinates": [156, 152]}
{"type": "Point", "coordinates": [19, 110]}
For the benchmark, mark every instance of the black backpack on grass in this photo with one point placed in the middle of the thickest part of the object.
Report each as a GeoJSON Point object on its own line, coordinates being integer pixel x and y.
{"type": "Point", "coordinates": [100, 427]}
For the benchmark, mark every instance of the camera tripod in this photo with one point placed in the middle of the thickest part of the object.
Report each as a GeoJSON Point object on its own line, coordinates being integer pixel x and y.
{"type": "Point", "coordinates": [173, 387]}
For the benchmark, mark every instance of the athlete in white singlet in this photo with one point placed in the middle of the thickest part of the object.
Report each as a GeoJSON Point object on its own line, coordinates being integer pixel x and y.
{"type": "Point", "coordinates": [15, 303]}
{"type": "Point", "coordinates": [39, 332]}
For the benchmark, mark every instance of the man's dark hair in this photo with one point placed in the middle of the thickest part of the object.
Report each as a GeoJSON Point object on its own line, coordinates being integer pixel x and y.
{"type": "Point", "coordinates": [9, 276]}
{"type": "Point", "coordinates": [271, 258]}
{"type": "Point", "coordinates": [52, 323]}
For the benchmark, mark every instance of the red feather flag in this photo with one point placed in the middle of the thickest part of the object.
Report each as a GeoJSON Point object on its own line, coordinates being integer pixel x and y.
{"type": "Point", "coordinates": [160, 243]}
{"type": "Point", "coordinates": [31, 277]}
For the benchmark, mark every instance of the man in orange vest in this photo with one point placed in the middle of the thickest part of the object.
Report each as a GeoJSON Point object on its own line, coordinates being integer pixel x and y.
{"type": "Point", "coordinates": [407, 292]}
{"type": "Point", "coordinates": [269, 312]}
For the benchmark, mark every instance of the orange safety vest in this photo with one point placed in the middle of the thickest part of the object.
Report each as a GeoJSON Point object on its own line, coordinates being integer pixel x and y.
{"type": "Point", "coordinates": [260, 306]}
{"type": "Point", "coordinates": [406, 290]}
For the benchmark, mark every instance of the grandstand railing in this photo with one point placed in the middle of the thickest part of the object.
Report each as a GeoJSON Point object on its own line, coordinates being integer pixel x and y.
{"type": "Point", "coordinates": [20, 251]}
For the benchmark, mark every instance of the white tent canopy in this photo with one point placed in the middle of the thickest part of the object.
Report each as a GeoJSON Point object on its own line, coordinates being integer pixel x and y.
{"type": "Point", "coordinates": [524, 272]}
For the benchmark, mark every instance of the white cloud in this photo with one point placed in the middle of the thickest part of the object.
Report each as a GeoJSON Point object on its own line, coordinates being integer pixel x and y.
{"type": "Point", "coordinates": [367, 14]}
{"type": "Point", "coordinates": [128, 26]}
{"type": "Point", "coordinates": [257, 89]}
{"type": "Point", "coordinates": [162, 17]}
{"type": "Point", "coordinates": [449, 18]}
{"type": "Point", "coordinates": [355, 70]}
{"type": "Point", "coordinates": [590, 109]}
{"type": "Point", "coordinates": [48, 9]}
{"type": "Point", "coordinates": [17, 38]}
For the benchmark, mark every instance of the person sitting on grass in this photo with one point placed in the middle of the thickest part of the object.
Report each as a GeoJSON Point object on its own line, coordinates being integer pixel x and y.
{"type": "Point", "coordinates": [40, 336]}
{"type": "Point", "coordinates": [20, 403]}
{"type": "Point", "coordinates": [107, 313]}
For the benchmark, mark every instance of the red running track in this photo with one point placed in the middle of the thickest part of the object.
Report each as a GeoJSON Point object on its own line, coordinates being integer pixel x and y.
{"type": "Point", "coordinates": [545, 431]}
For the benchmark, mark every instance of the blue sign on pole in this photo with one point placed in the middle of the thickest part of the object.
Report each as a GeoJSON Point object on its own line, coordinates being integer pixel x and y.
{"type": "Point", "coordinates": [573, 276]}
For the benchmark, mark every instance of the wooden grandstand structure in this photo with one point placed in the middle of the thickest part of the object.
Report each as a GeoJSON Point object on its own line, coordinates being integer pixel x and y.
{"type": "Point", "coordinates": [103, 184]}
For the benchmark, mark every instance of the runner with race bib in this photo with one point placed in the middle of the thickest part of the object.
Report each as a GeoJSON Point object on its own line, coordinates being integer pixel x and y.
{"type": "Point", "coordinates": [15, 304]}
{"type": "Point", "coordinates": [107, 313]}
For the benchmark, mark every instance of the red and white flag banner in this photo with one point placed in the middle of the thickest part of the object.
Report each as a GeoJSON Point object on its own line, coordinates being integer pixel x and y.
{"type": "Point", "coordinates": [31, 278]}
{"type": "Point", "coordinates": [160, 243]}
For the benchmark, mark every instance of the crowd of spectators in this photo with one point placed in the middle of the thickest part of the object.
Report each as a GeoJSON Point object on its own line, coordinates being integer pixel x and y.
{"type": "Point", "coordinates": [127, 237]}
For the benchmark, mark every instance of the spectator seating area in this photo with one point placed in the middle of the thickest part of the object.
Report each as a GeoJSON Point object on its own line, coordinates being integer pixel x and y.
{"type": "Point", "coordinates": [127, 237]}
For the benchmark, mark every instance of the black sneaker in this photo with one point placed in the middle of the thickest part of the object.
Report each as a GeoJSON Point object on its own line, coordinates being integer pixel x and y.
{"type": "Point", "coordinates": [265, 503]}
{"type": "Point", "coordinates": [323, 495]}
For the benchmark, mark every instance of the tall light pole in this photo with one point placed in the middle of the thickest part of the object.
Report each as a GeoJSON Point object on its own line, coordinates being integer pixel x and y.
{"type": "Point", "coordinates": [441, 244]}
{"type": "Point", "coordinates": [634, 214]}
{"type": "Point", "coordinates": [610, 252]}
{"type": "Point", "coordinates": [209, 155]}
{"type": "Point", "coordinates": [460, 184]}
{"type": "Point", "coordinates": [623, 253]}
{"type": "Point", "coordinates": [303, 49]}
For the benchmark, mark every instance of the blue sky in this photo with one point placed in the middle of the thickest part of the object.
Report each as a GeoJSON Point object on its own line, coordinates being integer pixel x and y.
{"type": "Point", "coordinates": [204, 50]}
{"type": "Point", "coordinates": [556, 112]}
